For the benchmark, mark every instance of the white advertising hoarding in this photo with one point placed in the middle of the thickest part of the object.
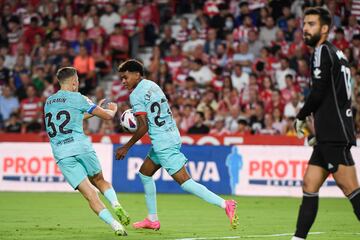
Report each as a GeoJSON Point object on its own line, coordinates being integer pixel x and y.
{"type": "Point", "coordinates": [31, 167]}
{"type": "Point", "coordinates": [278, 171]}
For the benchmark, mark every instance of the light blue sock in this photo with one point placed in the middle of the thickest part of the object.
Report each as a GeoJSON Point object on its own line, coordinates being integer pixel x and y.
{"type": "Point", "coordinates": [150, 193]}
{"type": "Point", "coordinates": [110, 195]}
{"type": "Point", "coordinates": [202, 192]}
{"type": "Point", "coordinates": [106, 216]}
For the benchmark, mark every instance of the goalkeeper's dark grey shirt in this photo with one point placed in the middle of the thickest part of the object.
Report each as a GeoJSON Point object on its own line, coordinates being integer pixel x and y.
{"type": "Point", "coordinates": [330, 97]}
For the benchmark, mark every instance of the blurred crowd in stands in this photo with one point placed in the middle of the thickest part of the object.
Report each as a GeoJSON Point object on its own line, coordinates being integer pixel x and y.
{"type": "Point", "coordinates": [227, 67]}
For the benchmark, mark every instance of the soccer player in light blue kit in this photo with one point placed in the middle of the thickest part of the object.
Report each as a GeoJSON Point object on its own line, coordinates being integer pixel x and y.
{"type": "Point", "coordinates": [72, 149]}
{"type": "Point", "coordinates": [153, 115]}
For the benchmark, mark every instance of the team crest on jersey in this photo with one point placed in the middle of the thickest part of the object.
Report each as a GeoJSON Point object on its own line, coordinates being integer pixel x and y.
{"type": "Point", "coordinates": [148, 95]}
{"type": "Point", "coordinates": [317, 72]}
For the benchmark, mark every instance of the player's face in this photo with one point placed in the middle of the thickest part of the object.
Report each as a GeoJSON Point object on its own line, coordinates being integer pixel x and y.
{"type": "Point", "coordinates": [312, 30]}
{"type": "Point", "coordinates": [129, 79]}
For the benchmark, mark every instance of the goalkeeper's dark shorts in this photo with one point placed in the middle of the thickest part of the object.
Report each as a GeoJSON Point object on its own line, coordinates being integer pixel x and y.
{"type": "Point", "coordinates": [330, 156]}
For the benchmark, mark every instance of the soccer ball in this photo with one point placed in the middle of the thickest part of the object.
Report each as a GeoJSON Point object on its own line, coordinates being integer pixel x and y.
{"type": "Point", "coordinates": [128, 121]}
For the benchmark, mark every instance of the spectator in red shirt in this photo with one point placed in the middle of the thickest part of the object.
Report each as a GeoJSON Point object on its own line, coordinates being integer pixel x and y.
{"type": "Point", "coordinates": [70, 33]}
{"type": "Point", "coordinates": [118, 44]}
{"type": "Point", "coordinates": [32, 30]}
{"type": "Point", "coordinates": [174, 59]}
{"type": "Point", "coordinates": [31, 110]}
{"type": "Point", "coordinates": [97, 30]}
{"type": "Point", "coordinates": [266, 92]}
{"type": "Point", "coordinates": [340, 41]}
{"type": "Point", "coordinates": [132, 26]}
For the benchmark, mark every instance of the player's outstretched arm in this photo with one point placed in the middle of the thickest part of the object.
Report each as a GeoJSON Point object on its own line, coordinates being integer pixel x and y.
{"type": "Point", "coordinates": [140, 132]}
{"type": "Point", "coordinates": [88, 115]}
{"type": "Point", "coordinates": [106, 114]}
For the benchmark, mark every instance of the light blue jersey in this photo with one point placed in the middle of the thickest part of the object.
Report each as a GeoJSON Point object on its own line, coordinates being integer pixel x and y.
{"type": "Point", "coordinates": [64, 113]}
{"type": "Point", "coordinates": [148, 98]}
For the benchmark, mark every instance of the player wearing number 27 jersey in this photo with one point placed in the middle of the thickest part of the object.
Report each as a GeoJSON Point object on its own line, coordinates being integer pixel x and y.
{"type": "Point", "coordinates": [153, 115]}
{"type": "Point", "coordinates": [148, 98]}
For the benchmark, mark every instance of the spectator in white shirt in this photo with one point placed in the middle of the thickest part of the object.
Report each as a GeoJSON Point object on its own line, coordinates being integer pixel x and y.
{"type": "Point", "coordinates": [109, 19]}
{"type": "Point", "coordinates": [281, 73]}
{"type": "Point", "coordinates": [201, 73]}
{"type": "Point", "coordinates": [239, 79]}
{"type": "Point", "coordinates": [293, 107]}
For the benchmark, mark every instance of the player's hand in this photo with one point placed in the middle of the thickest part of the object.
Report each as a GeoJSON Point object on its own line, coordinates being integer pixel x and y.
{"type": "Point", "coordinates": [121, 152]}
{"type": "Point", "coordinates": [101, 103]}
{"type": "Point", "coordinates": [311, 140]}
{"type": "Point", "coordinates": [112, 106]}
{"type": "Point", "coordinates": [299, 126]}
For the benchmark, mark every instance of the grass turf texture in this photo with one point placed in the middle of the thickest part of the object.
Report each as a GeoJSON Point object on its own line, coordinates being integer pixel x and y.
{"type": "Point", "coordinates": [67, 216]}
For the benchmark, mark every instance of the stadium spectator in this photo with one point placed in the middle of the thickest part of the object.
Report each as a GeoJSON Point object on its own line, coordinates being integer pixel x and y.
{"type": "Point", "coordinates": [31, 57]}
{"type": "Point", "coordinates": [109, 19]}
{"type": "Point", "coordinates": [281, 73]}
{"type": "Point", "coordinates": [133, 27]}
{"type": "Point", "coordinates": [219, 129]}
{"type": "Point", "coordinates": [340, 42]}
{"type": "Point", "coordinates": [243, 127]}
{"type": "Point", "coordinates": [5, 72]}
{"type": "Point", "coordinates": [199, 127]}
{"type": "Point", "coordinates": [31, 111]}
{"type": "Point", "coordinates": [239, 78]}
{"type": "Point", "coordinates": [8, 103]}
{"type": "Point", "coordinates": [188, 118]}
{"type": "Point", "coordinates": [85, 65]}
{"type": "Point", "coordinates": [279, 123]}
{"type": "Point", "coordinates": [190, 94]}
{"type": "Point", "coordinates": [183, 33]}
{"type": "Point", "coordinates": [190, 45]}
{"type": "Point", "coordinates": [243, 57]}
{"type": "Point", "coordinates": [268, 32]}
{"type": "Point", "coordinates": [212, 42]}
{"type": "Point", "coordinates": [13, 125]}
{"type": "Point", "coordinates": [268, 128]}
{"type": "Point", "coordinates": [166, 41]}
{"type": "Point", "coordinates": [118, 44]}
{"type": "Point", "coordinates": [255, 45]}
{"type": "Point", "coordinates": [293, 107]}
{"type": "Point", "coordinates": [201, 73]}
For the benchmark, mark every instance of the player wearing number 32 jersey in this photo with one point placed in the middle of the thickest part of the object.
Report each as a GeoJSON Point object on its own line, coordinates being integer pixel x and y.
{"type": "Point", "coordinates": [153, 115]}
{"type": "Point", "coordinates": [72, 149]}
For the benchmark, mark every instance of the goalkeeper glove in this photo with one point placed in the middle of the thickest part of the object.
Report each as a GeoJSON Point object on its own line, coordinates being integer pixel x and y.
{"type": "Point", "coordinates": [299, 126]}
{"type": "Point", "coordinates": [311, 140]}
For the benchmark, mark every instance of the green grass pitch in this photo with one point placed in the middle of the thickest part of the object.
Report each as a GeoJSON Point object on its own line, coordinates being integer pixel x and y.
{"type": "Point", "coordinates": [55, 216]}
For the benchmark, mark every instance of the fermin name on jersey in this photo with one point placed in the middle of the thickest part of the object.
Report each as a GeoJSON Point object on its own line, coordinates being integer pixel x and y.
{"type": "Point", "coordinates": [56, 100]}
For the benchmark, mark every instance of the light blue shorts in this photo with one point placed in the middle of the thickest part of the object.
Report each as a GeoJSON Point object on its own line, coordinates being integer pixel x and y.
{"type": "Point", "coordinates": [76, 168]}
{"type": "Point", "coordinates": [171, 159]}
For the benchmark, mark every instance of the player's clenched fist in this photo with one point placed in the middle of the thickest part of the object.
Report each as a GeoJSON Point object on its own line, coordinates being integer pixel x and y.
{"type": "Point", "coordinates": [112, 106]}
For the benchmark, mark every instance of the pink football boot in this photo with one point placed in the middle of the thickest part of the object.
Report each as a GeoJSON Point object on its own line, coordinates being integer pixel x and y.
{"type": "Point", "coordinates": [230, 211]}
{"type": "Point", "coordinates": [147, 224]}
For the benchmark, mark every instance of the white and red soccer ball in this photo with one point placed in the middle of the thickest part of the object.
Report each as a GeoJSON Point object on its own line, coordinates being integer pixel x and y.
{"type": "Point", "coordinates": [128, 121]}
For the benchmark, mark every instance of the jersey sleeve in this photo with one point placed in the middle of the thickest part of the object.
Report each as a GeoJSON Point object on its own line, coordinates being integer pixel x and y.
{"type": "Point", "coordinates": [137, 105]}
{"type": "Point", "coordinates": [321, 82]}
{"type": "Point", "coordinates": [84, 104]}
